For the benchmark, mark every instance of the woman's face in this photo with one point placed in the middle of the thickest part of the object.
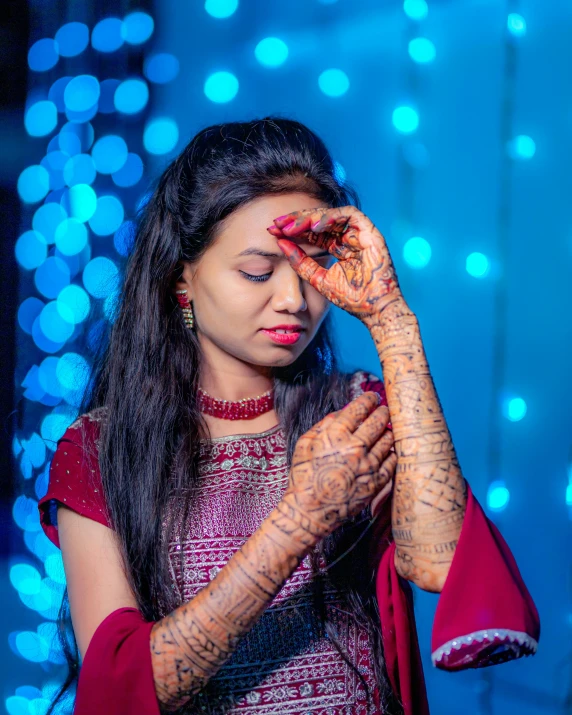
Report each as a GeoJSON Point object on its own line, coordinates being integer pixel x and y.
{"type": "Point", "coordinates": [237, 292]}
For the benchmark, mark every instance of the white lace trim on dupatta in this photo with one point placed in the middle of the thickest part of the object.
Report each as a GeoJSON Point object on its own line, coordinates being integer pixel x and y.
{"type": "Point", "coordinates": [514, 644]}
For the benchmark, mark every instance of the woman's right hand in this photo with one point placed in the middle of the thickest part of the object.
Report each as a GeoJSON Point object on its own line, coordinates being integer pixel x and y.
{"type": "Point", "coordinates": [340, 465]}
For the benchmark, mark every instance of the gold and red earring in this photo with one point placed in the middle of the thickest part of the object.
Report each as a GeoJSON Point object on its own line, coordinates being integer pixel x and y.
{"type": "Point", "coordinates": [186, 307]}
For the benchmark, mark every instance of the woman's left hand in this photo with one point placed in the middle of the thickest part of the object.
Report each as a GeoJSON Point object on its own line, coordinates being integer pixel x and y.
{"type": "Point", "coordinates": [363, 281]}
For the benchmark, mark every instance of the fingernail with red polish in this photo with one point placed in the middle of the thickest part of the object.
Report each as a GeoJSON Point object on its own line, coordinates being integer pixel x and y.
{"type": "Point", "coordinates": [291, 250]}
{"type": "Point", "coordinates": [280, 218]}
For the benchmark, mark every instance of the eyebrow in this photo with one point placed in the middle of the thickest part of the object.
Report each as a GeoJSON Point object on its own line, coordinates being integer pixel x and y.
{"type": "Point", "coordinates": [268, 254]}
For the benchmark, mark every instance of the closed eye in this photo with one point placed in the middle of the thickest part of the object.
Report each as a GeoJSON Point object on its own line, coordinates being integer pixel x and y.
{"type": "Point", "coordinates": [265, 276]}
{"type": "Point", "coordinates": [256, 279]}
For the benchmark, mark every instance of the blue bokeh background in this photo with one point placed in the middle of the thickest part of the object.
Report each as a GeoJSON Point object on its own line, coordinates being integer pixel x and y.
{"type": "Point", "coordinates": [453, 122]}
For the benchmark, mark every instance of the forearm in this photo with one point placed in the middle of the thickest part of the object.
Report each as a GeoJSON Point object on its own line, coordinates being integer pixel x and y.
{"type": "Point", "coordinates": [190, 644]}
{"type": "Point", "coordinates": [430, 494]}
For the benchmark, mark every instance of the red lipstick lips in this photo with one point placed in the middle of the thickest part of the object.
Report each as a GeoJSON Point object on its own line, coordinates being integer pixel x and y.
{"type": "Point", "coordinates": [289, 338]}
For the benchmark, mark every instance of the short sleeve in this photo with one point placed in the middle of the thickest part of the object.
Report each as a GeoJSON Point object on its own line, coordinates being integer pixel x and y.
{"type": "Point", "coordinates": [485, 614]}
{"type": "Point", "coordinates": [74, 478]}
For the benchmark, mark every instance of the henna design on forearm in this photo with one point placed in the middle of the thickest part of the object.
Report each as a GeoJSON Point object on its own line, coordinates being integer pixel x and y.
{"type": "Point", "coordinates": [191, 644]}
{"type": "Point", "coordinates": [430, 492]}
{"type": "Point", "coordinates": [429, 499]}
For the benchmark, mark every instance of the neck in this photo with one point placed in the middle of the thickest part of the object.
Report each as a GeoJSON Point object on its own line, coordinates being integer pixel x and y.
{"type": "Point", "coordinates": [232, 389]}
{"type": "Point", "coordinates": [231, 379]}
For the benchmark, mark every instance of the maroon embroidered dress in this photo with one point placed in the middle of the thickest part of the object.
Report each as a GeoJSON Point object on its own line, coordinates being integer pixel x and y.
{"type": "Point", "coordinates": [285, 664]}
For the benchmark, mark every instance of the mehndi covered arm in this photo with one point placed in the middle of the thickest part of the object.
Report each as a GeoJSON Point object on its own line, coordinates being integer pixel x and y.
{"type": "Point", "coordinates": [430, 494]}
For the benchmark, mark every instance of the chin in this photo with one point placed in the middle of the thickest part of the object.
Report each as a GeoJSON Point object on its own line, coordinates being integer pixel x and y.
{"type": "Point", "coordinates": [287, 357]}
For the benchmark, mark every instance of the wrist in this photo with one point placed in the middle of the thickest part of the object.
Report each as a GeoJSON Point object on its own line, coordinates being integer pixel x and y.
{"type": "Point", "coordinates": [393, 315]}
{"type": "Point", "coordinates": [304, 529]}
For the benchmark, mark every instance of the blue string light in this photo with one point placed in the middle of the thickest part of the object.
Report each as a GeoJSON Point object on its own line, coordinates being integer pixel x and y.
{"type": "Point", "coordinates": [80, 201]}
{"type": "Point", "coordinates": [271, 52]}
{"type": "Point", "coordinates": [137, 27]}
{"type": "Point", "coordinates": [107, 35]}
{"type": "Point", "coordinates": [516, 24]}
{"type": "Point", "coordinates": [521, 148]}
{"type": "Point", "coordinates": [130, 173]}
{"type": "Point", "coordinates": [514, 409]}
{"type": "Point", "coordinates": [160, 135]}
{"type": "Point", "coordinates": [81, 93]}
{"type": "Point", "coordinates": [417, 252]}
{"type": "Point", "coordinates": [416, 9]}
{"type": "Point", "coordinates": [161, 68]}
{"type": "Point", "coordinates": [72, 39]}
{"type": "Point", "coordinates": [221, 9]}
{"type": "Point", "coordinates": [131, 96]}
{"type": "Point", "coordinates": [422, 50]}
{"type": "Point", "coordinates": [31, 250]}
{"type": "Point", "coordinates": [43, 55]}
{"type": "Point", "coordinates": [109, 153]}
{"type": "Point", "coordinates": [41, 118]}
{"type": "Point", "coordinates": [498, 496]}
{"type": "Point", "coordinates": [221, 87]}
{"type": "Point", "coordinates": [405, 119]}
{"type": "Point", "coordinates": [33, 184]}
{"type": "Point", "coordinates": [477, 265]}
{"type": "Point", "coordinates": [108, 216]}
{"type": "Point", "coordinates": [334, 82]}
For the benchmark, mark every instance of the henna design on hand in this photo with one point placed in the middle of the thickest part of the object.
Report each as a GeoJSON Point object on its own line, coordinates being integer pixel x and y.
{"type": "Point", "coordinates": [363, 281]}
{"type": "Point", "coordinates": [341, 464]}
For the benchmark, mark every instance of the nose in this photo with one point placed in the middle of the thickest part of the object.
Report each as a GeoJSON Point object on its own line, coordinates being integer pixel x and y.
{"type": "Point", "coordinates": [289, 291]}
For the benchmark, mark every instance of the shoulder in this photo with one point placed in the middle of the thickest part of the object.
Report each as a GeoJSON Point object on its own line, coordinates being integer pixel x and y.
{"type": "Point", "coordinates": [80, 441]}
{"type": "Point", "coordinates": [84, 431]}
{"type": "Point", "coordinates": [93, 418]}
{"type": "Point", "coordinates": [361, 381]}
{"type": "Point", "coordinates": [74, 476]}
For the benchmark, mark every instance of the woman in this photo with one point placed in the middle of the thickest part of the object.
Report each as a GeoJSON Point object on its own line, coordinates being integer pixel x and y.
{"type": "Point", "coordinates": [231, 536]}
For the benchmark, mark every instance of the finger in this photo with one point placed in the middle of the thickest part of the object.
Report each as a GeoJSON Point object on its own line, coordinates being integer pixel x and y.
{"type": "Point", "coordinates": [341, 219]}
{"type": "Point", "coordinates": [356, 411]}
{"type": "Point", "coordinates": [373, 427]}
{"type": "Point", "coordinates": [330, 225]}
{"type": "Point", "coordinates": [316, 223]}
{"type": "Point", "coordinates": [299, 219]}
{"type": "Point", "coordinates": [326, 421]}
{"type": "Point", "coordinates": [383, 447]}
{"type": "Point", "coordinates": [305, 266]}
{"type": "Point", "coordinates": [338, 246]}
{"type": "Point", "coordinates": [386, 471]}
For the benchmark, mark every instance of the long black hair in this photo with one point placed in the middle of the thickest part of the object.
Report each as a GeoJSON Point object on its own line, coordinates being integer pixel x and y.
{"type": "Point", "coordinates": [148, 374]}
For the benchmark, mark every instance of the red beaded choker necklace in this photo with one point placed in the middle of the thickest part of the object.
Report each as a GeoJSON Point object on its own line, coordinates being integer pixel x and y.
{"type": "Point", "coordinates": [241, 410]}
